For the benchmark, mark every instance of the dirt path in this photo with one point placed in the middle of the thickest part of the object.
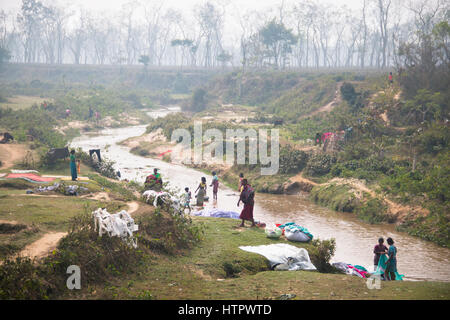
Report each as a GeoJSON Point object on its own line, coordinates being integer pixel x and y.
{"type": "Point", "coordinates": [133, 207]}
{"type": "Point", "coordinates": [43, 246]}
{"type": "Point", "coordinates": [11, 153]}
{"type": "Point", "coordinates": [329, 106]}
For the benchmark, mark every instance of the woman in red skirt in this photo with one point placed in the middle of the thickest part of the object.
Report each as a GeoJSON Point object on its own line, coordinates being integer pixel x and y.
{"type": "Point", "coordinates": [247, 197]}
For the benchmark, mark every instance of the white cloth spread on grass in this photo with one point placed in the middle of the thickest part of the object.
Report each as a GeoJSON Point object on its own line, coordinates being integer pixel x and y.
{"type": "Point", "coordinates": [115, 225]}
{"type": "Point", "coordinates": [282, 253]}
{"type": "Point", "coordinates": [216, 213]}
{"type": "Point", "coordinates": [24, 171]}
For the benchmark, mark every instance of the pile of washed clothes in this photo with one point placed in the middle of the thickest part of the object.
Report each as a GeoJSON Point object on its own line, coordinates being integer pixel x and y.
{"type": "Point", "coordinates": [283, 256]}
{"type": "Point", "coordinates": [70, 190]}
{"type": "Point", "coordinates": [355, 270]}
{"type": "Point", "coordinates": [160, 197]}
{"type": "Point", "coordinates": [291, 231]}
{"type": "Point", "coordinates": [216, 213]}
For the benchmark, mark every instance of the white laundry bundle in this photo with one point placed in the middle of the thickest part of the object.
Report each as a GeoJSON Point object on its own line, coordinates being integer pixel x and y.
{"type": "Point", "coordinates": [115, 225]}
{"type": "Point", "coordinates": [165, 197]}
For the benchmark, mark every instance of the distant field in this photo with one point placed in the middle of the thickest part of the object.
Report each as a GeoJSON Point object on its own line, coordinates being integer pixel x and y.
{"type": "Point", "coordinates": [22, 102]}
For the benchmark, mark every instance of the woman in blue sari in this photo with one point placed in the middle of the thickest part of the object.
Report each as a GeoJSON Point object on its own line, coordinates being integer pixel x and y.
{"type": "Point", "coordinates": [391, 263]}
{"type": "Point", "coordinates": [73, 166]}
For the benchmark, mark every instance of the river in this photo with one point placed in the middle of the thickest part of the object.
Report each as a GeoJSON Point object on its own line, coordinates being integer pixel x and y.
{"type": "Point", "coordinates": [416, 259]}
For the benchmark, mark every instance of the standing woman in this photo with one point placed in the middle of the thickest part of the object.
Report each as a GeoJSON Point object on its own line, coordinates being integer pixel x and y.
{"type": "Point", "coordinates": [248, 198]}
{"type": "Point", "coordinates": [201, 192]}
{"type": "Point", "coordinates": [391, 263]}
{"type": "Point", "coordinates": [73, 166]}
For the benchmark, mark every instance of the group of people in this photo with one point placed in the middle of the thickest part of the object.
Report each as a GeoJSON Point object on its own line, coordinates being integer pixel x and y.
{"type": "Point", "coordinates": [246, 196]}
{"type": "Point", "coordinates": [391, 252]}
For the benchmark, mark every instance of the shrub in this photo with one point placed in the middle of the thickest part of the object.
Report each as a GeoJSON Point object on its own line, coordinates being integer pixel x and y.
{"type": "Point", "coordinates": [320, 164]}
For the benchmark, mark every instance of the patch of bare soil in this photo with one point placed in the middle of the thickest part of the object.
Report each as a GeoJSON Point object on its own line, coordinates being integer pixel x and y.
{"type": "Point", "coordinates": [133, 207]}
{"type": "Point", "coordinates": [43, 246]}
{"type": "Point", "coordinates": [99, 196]}
{"type": "Point", "coordinates": [12, 153]}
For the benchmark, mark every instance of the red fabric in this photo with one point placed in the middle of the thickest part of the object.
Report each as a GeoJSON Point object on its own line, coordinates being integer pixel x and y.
{"type": "Point", "coordinates": [30, 176]}
{"type": "Point", "coordinates": [247, 212]}
{"type": "Point", "coordinates": [161, 154]}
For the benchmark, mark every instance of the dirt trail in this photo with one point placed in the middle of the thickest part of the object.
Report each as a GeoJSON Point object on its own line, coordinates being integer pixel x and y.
{"type": "Point", "coordinates": [43, 246]}
{"type": "Point", "coordinates": [11, 153]}
{"type": "Point", "coordinates": [329, 106]}
{"type": "Point", "coordinates": [133, 207]}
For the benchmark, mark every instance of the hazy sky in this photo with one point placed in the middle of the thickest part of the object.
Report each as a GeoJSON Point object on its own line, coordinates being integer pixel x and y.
{"type": "Point", "coordinates": [115, 5]}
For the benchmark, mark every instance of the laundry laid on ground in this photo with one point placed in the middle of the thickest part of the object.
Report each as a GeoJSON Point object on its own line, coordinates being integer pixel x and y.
{"type": "Point", "coordinates": [283, 256]}
{"type": "Point", "coordinates": [216, 213]}
{"type": "Point", "coordinates": [24, 171]}
{"type": "Point", "coordinates": [2, 174]}
{"type": "Point", "coordinates": [294, 232]}
{"type": "Point", "coordinates": [273, 232]}
{"type": "Point", "coordinates": [31, 177]}
{"type": "Point", "coordinates": [355, 270]}
{"type": "Point", "coordinates": [48, 188]}
{"type": "Point", "coordinates": [66, 178]}
{"type": "Point", "coordinates": [116, 225]}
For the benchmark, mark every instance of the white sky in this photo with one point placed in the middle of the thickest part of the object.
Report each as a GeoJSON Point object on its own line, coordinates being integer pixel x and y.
{"type": "Point", "coordinates": [184, 5]}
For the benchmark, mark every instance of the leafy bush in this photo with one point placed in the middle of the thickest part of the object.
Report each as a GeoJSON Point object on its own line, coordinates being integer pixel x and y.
{"type": "Point", "coordinates": [320, 164]}
{"type": "Point", "coordinates": [292, 161]}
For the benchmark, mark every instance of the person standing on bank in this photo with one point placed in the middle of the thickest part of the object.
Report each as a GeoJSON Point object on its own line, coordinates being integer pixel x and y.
{"type": "Point", "coordinates": [391, 263]}
{"type": "Point", "coordinates": [73, 166]}
{"type": "Point", "coordinates": [378, 250]}
{"type": "Point", "coordinates": [201, 192]}
{"type": "Point", "coordinates": [215, 185]}
{"type": "Point", "coordinates": [248, 198]}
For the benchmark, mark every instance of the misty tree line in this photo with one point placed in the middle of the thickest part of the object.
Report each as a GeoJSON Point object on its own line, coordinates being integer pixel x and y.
{"type": "Point", "coordinates": [296, 33]}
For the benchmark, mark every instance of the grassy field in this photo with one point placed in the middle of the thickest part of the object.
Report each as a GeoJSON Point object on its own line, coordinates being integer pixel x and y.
{"type": "Point", "coordinates": [22, 102]}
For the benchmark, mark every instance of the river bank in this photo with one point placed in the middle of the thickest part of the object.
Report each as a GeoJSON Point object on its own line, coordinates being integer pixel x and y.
{"type": "Point", "coordinates": [355, 239]}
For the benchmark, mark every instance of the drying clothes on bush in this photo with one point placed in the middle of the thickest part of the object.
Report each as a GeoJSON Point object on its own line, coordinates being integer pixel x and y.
{"type": "Point", "coordinates": [116, 225]}
{"type": "Point", "coordinates": [29, 177]}
{"type": "Point", "coordinates": [290, 257]}
{"type": "Point", "coordinates": [294, 229]}
{"type": "Point", "coordinates": [216, 213]}
{"type": "Point", "coordinates": [161, 197]}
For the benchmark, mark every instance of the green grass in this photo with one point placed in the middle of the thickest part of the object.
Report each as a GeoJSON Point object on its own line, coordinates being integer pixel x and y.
{"type": "Point", "coordinates": [200, 274]}
{"type": "Point", "coordinates": [22, 102]}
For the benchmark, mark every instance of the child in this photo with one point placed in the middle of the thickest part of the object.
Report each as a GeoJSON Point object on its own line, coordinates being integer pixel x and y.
{"type": "Point", "coordinates": [241, 177]}
{"type": "Point", "coordinates": [187, 199]}
{"type": "Point", "coordinates": [215, 185]}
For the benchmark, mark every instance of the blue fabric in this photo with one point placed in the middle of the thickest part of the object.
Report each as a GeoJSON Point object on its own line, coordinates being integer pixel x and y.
{"type": "Point", "coordinates": [73, 170]}
{"type": "Point", "coordinates": [382, 267]}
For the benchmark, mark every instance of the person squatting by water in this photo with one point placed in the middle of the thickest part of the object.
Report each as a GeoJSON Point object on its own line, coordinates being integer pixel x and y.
{"type": "Point", "coordinates": [215, 185]}
{"type": "Point", "coordinates": [201, 192]}
{"type": "Point", "coordinates": [247, 197]}
{"type": "Point", "coordinates": [73, 166]}
{"type": "Point", "coordinates": [154, 181]}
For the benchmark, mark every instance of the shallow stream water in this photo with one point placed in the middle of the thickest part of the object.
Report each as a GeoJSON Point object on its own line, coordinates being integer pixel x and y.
{"type": "Point", "coordinates": [416, 259]}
